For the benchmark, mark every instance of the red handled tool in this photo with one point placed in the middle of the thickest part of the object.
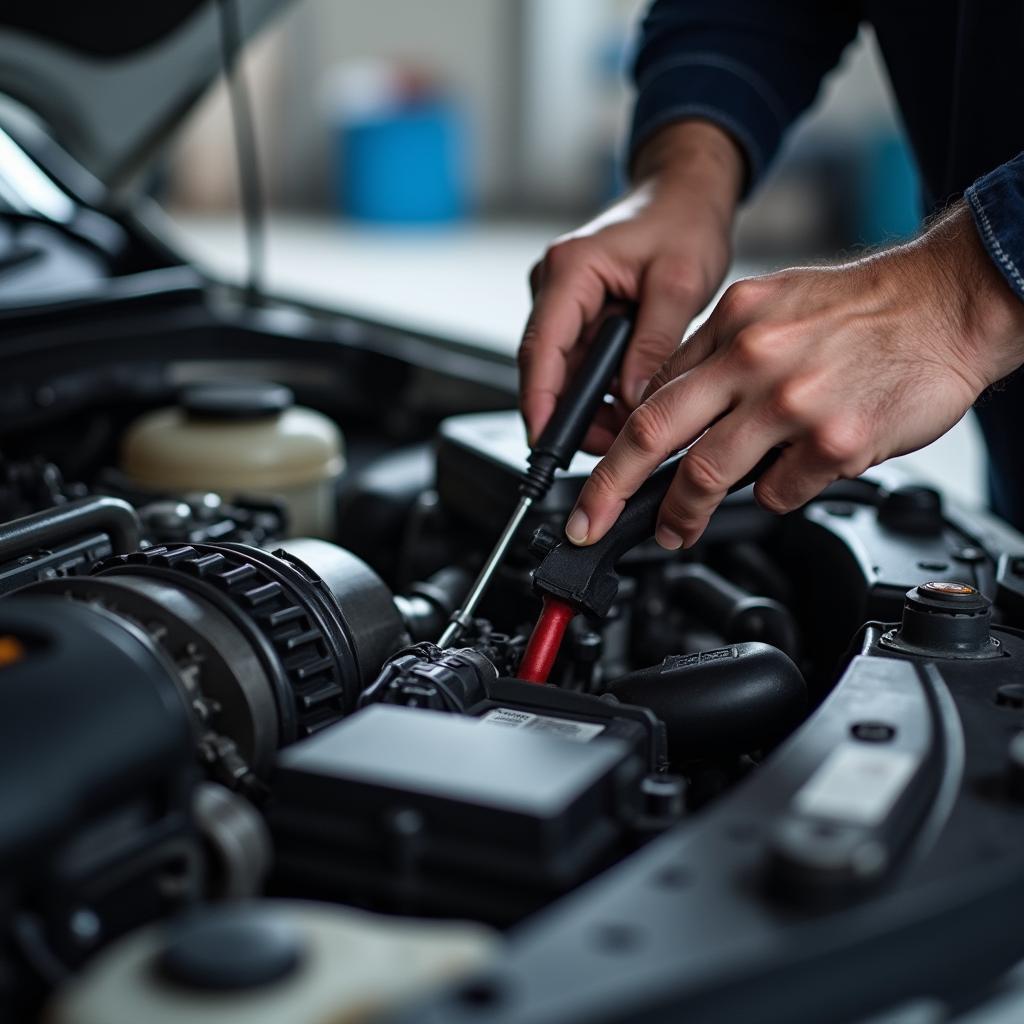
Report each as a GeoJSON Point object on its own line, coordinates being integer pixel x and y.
{"type": "Point", "coordinates": [573, 579]}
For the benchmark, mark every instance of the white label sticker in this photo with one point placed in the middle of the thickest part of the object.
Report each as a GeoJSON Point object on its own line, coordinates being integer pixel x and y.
{"type": "Point", "coordinates": [510, 718]}
{"type": "Point", "coordinates": [857, 784]}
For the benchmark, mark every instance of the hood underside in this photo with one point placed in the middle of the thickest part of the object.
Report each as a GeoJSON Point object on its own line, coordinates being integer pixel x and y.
{"type": "Point", "coordinates": [111, 81]}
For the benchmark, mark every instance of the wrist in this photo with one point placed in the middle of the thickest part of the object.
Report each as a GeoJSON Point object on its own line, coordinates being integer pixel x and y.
{"type": "Point", "coordinates": [692, 157]}
{"type": "Point", "coordinates": [986, 313]}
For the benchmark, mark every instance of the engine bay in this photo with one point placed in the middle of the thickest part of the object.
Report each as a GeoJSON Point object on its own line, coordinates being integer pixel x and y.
{"type": "Point", "coordinates": [243, 780]}
{"type": "Point", "coordinates": [799, 727]}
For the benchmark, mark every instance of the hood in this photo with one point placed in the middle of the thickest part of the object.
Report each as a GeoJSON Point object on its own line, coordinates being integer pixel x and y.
{"type": "Point", "coordinates": [110, 81]}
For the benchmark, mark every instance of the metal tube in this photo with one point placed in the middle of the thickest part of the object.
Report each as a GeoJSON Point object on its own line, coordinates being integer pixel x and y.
{"type": "Point", "coordinates": [464, 616]}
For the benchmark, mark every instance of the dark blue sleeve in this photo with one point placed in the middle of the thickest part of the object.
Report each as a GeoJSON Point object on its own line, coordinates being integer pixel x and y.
{"type": "Point", "coordinates": [997, 205]}
{"type": "Point", "coordinates": [750, 66]}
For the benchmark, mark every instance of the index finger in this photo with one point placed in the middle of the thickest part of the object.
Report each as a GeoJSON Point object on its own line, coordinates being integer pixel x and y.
{"type": "Point", "coordinates": [564, 305]}
{"type": "Point", "coordinates": [666, 422]}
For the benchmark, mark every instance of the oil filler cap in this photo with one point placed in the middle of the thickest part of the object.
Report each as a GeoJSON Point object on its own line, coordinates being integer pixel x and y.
{"type": "Point", "coordinates": [230, 948]}
{"type": "Point", "coordinates": [912, 510]}
{"type": "Point", "coordinates": [945, 619]}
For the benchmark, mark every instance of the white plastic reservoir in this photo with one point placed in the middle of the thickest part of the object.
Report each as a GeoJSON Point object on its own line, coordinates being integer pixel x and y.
{"type": "Point", "coordinates": [241, 439]}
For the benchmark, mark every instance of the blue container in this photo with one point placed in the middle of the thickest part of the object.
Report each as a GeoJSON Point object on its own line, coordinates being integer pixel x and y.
{"type": "Point", "coordinates": [890, 199]}
{"type": "Point", "coordinates": [403, 166]}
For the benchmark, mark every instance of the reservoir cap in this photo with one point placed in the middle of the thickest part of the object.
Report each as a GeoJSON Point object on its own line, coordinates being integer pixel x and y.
{"type": "Point", "coordinates": [235, 400]}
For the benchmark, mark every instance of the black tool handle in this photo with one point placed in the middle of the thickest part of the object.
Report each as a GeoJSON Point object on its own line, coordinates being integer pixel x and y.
{"type": "Point", "coordinates": [585, 576]}
{"type": "Point", "coordinates": [561, 438]}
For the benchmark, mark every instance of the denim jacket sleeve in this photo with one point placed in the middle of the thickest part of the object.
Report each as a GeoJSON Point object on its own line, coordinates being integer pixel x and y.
{"type": "Point", "coordinates": [749, 66]}
{"type": "Point", "coordinates": [996, 201]}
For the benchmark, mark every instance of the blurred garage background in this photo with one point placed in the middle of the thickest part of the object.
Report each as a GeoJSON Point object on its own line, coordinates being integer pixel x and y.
{"type": "Point", "coordinates": [417, 157]}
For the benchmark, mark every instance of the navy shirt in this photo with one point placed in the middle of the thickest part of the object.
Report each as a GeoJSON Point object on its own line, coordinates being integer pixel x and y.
{"type": "Point", "coordinates": [753, 66]}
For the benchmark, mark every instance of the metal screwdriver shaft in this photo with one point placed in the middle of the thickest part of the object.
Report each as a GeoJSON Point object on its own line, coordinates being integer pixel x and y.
{"type": "Point", "coordinates": [464, 616]}
{"type": "Point", "coordinates": [554, 450]}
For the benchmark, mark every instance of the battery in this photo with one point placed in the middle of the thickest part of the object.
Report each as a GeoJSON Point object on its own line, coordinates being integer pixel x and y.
{"type": "Point", "coordinates": [488, 816]}
{"type": "Point", "coordinates": [481, 458]}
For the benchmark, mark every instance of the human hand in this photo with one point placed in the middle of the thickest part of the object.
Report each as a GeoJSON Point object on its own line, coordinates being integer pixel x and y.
{"type": "Point", "coordinates": [846, 366]}
{"type": "Point", "coordinates": [666, 245]}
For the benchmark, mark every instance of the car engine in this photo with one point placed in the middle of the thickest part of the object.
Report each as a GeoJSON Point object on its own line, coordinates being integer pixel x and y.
{"type": "Point", "coordinates": [231, 750]}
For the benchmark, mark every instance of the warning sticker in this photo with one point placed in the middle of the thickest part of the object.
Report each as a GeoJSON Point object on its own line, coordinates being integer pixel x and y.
{"type": "Point", "coordinates": [858, 784]}
{"type": "Point", "coordinates": [580, 732]}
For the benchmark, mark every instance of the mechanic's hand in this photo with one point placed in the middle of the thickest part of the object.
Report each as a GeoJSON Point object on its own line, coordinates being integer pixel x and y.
{"type": "Point", "coordinates": [847, 366]}
{"type": "Point", "coordinates": [665, 245]}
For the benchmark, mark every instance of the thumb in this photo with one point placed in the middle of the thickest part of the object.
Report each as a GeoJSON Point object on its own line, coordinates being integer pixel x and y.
{"type": "Point", "coordinates": [669, 300]}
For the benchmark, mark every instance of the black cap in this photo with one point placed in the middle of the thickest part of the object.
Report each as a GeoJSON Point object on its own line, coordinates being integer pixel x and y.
{"type": "Point", "coordinates": [913, 510]}
{"type": "Point", "coordinates": [230, 947]}
{"type": "Point", "coordinates": [945, 618]}
{"type": "Point", "coordinates": [235, 400]}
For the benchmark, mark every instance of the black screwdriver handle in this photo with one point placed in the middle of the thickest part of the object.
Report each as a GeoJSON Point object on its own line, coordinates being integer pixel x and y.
{"type": "Point", "coordinates": [585, 577]}
{"type": "Point", "coordinates": [561, 438]}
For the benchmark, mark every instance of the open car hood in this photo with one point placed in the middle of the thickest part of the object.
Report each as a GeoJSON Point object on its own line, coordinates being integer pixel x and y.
{"type": "Point", "coordinates": [111, 81]}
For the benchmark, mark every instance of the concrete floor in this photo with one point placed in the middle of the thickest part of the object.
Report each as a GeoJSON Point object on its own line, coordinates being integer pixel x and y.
{"type": "Point", "coordinates": [466, 282]}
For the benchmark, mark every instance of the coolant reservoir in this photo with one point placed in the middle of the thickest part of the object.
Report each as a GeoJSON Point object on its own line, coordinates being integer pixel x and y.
{"type": "Point", "coordinates": [241, 439]}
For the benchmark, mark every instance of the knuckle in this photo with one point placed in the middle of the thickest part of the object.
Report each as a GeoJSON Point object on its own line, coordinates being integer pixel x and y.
{"type": "Point", "coordinates": [739, 298]}
{"type": "Point", "coordinates": [771, 500]}
{"type": "Point", "coordinates": [564, 255]}
{"type": "Point", "coordinates": [677, 513]}
{"type": "Point", "coordinates": [679, 282]}
{"type": "Point", "coordinates": [788, 402]}
{"type": "Point", "coordinates": [602, 483]}
{"type": "Point", "coordinates": [840, 443]}
{"type": "Point", "coordinates": [701, 473]}
{"type": "Point", "coordinates": [754, 347]}
{"type": "Point", "coordinates": [648, 430]}
{"type": "Point", "coordinates": [528, 345]}
{"type": "Point", "coordinates": [653, 342]}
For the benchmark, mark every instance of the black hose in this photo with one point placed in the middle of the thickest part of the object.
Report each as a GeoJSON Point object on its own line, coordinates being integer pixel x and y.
{"type": "Point", "coordinates": [732, 612]}
{"type": "Point", "coordinates": [720, 703]}
{"type": "Point", "coordinates": [53, 526]}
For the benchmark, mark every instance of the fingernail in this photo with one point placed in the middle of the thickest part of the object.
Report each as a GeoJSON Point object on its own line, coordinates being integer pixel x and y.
{"type": "Point", "coordinates": [639, 389]}
{"type": "Point", "coordinates": [578, 526]}
{"type": "Point", "coordinates": [668, 539]}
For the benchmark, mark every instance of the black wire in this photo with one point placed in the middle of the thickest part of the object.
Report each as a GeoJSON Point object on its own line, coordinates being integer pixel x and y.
{"type": "Point", "coordinates": [250, 183]}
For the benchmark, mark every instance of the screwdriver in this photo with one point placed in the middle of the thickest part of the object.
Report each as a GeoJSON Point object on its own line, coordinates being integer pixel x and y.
{"type": "Point", "coordinates": [554, 449]}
